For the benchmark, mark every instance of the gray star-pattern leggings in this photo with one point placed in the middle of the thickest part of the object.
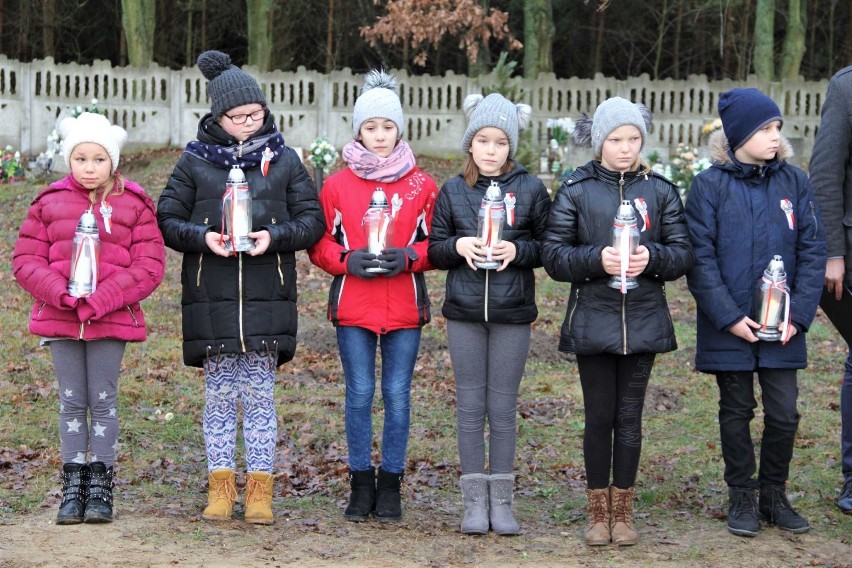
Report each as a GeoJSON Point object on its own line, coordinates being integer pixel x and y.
{"type": "Point", "coordinates": [87, 372]}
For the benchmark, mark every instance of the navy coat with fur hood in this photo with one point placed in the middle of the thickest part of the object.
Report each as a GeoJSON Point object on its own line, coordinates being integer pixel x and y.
{"type": "Point", "coordinates": [737, 222]}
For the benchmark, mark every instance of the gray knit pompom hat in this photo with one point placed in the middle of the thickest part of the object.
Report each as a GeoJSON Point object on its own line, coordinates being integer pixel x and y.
{"type": "Point", "coordinates": [611, 114]}
{"type": "Point", "coordinates": [228, 86]}
{"type": "Point", "coordinates": [378, 99]}
{"type": "Point", "coordinates": [497, 111]}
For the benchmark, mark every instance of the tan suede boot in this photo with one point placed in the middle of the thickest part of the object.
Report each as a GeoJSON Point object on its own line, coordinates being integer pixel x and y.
{"type": "Point", "coordinates": [221, 494]}
{"type": "Point", "coordinates": [259, 497]}
{"type": "Point", "coordinates": [621, 521]}
{"type": "Point", "coordinates": [597, 531]}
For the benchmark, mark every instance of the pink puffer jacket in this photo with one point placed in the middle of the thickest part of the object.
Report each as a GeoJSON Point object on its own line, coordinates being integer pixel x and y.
{"type": "Point", "coordinates": [131, 263]}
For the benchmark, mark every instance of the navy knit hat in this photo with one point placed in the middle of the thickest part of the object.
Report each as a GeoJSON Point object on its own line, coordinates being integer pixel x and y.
{"type": "Point", "coordinates": [744, 112]}
{"type": "Point", "coordinates": [228, 86]}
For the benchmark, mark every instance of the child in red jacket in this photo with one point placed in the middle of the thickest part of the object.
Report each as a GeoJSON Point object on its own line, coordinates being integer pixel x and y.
{"type": "Point", "coordinates": [87, 322]}
{"type": "Point", "coordinates": [377, 299]}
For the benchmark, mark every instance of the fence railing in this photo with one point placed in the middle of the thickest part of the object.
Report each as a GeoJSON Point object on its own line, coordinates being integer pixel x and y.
{"type": "Point", "coordinates": [161, 107]}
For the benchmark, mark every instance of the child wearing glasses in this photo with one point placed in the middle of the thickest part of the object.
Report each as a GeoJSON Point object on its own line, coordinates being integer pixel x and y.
{"type": "Point", "coordinates": [239, 308]}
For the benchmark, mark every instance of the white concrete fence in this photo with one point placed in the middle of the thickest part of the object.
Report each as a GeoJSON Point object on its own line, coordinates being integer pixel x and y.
{"type": "Point", "coordinates": [161, 107]}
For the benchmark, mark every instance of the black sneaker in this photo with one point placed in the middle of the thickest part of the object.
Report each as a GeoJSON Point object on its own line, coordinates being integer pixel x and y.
{"type": "Point", "coordinates": [845, 499]}
{"type": "Point", "coordinates": [742, 512]}
{"type": "Point", "coordinates": [775, 509]}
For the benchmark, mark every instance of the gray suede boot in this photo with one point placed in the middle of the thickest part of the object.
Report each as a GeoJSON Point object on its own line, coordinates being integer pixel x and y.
{"type": "Point", "coordinates": [474, 487]}
{"type": "Point", "coordinates": [500, 487]}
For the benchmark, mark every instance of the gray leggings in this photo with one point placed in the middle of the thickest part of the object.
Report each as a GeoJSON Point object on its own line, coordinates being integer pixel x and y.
{"type": "Point", "coordinates": [488, 362]}
{"type": "Point", "coordinates": [87, 372]}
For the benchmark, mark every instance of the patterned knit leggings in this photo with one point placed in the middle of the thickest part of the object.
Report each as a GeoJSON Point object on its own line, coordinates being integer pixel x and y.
{"type": "Point", "coordinates": [231, 378]}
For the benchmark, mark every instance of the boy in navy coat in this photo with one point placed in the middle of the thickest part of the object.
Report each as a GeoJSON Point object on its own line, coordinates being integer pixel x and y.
{"type": "Point", "coordinates": [748, 207]}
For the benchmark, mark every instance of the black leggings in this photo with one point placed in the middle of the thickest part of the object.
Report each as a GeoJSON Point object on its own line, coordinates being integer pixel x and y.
{"type": "Point", "coordinates": [613, 397]}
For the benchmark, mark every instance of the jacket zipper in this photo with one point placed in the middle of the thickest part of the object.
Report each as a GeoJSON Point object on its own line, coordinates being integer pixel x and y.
{"type": "Point", "coordinates": [40, 308]}
{"type": "Point", "coordinates": [82, 329]}
{"type": "Point", "coordinates": [623, 296]}
{"type": "Point", "coordinates": [133, 315]}
{"type": "Point", "coordinates": [240, 279]}
{"type": "Point", "coordinates": [574, 309]}
{"type": "Point", "coordinates": [198, 276]}
{"type": "Point", "coordinates": [624, 323]}
{"type": "Point", "coordinates": [280, 272]}
{"type": "Point", "coordinates": [816, 222]}
{"type": "Point", "coordinates": [486, 295]}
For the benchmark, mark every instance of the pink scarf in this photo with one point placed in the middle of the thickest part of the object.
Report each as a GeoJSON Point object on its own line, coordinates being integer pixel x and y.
{"type": "Point", "coordinates": [367, 165]}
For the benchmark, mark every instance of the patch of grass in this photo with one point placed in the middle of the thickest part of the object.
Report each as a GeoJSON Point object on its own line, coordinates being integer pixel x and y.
{"type": "Point", "coordinates": [162, 464]}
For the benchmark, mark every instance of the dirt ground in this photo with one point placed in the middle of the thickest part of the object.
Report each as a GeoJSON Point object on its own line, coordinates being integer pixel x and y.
{"type": "Point", "coordinates": [427, 537]}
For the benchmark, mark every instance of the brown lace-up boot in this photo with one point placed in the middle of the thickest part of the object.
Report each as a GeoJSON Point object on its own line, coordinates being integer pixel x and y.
{"type": "Point", "coordinates": [221, 494]}
{"type": "Point", "coordinates": [259, 498]}
{"type": "Point", "coordinates": [621, 520]}
{"type": "Point", "coordinates": [597, 531]}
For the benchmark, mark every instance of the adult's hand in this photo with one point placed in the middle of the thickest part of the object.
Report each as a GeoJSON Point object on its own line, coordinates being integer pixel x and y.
{"type": "Point", "coordinates": [835, 271]}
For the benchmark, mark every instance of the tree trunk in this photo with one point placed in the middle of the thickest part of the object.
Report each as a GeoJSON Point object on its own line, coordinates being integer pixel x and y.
{"type": "Point", "coordinates": [599, 39]}
{"type": "Point", "coordinates": [189, 54]}
{"type": "Point", "coordinates": [764, 44]}
{"type": "Point", "coordinates": [661, 32]}
{"type": "Point", "coordinates": [538, 37]}
{"type": "Point", "coordinates": [137, 18]}
{"type": "Point", "coordinates": [794, 40]}
{"type": "Point", "coordinates": [329, 38]}
{"type": "Point", "coordinates": [744, 49]}
{"type": "Point", "coordinates": [482, 66]}
{"type": "Point", "coordinates": [48, 30]}
{"type": "Point", "coordinates": [259, 28]}
{"type": "Point", "coordinates": [676, 43]}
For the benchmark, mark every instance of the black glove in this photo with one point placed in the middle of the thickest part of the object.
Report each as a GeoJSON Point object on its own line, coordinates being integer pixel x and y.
{"type": "Point", "coordinates": [359, 261]}
{"type": "Point", "coordinates": [394, 260]}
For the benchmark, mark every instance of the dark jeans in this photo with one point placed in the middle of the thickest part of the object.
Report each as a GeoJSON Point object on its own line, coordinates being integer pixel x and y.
{"type": "Point", "coordinates": [613, 397]}
{"type": "Point", "coordinates": [781, 419]}
{"type": "Point", "coordinates": [846, 419]}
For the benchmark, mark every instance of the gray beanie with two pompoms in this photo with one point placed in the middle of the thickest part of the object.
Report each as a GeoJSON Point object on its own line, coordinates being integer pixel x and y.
{"type": "Point", "coordinates": [611, 114]}
{"type": "Point", "coordinates": [495, 111]}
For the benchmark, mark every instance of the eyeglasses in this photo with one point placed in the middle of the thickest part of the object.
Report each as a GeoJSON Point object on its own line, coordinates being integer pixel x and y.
{"type": "Point", "coordinates": [258, 115]}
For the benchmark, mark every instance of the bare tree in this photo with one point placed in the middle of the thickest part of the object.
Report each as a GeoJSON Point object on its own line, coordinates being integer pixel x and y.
{"type": "Point", "coordinates": [138, 18]}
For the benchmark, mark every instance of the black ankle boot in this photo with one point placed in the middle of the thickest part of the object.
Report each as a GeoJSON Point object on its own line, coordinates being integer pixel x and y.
{"type": "Point", "coordinates": [388, 500]}
{"type": "Point", "coordinates": [75, 483]}
{"type": "Point", "coordinates": [362, 496]}
{"type": "Point", "coordinates": [99, 498]}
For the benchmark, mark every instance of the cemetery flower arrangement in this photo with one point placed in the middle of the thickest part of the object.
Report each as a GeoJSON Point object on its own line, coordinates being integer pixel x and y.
{"type": "Point", "coordinates": [685, 164]}
{"type": "Point", "coordinates": [560, 129]}
{"type": "Point", "coordinates": [11, 168]}
{"type": "Point", "coordinates": [322, 154]}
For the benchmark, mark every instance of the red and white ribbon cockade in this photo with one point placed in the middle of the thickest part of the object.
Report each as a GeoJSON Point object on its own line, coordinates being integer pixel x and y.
{"type": "Point", "coordinates": [787, 207]}
{"type": "Point", "coordinates": [106, 213]}
{"type": "Point", "coordinates": [510, 201]}
{"type": "Point", "coordinates": [396, 205]}
{"type": "Point", "coordinates": [265, 160]}
{"type": "Point", "coordinates": [642, 208]}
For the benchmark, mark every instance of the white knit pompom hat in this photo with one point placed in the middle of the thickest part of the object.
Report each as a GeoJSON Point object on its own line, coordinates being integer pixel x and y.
{"type": "Point", "coordinates": [95, 128]}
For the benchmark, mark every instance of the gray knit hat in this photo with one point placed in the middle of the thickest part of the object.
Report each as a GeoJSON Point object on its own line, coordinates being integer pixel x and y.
{"type": "Point", "coordinates": [228, 86]}
{"type": "Point", "coordinates": [497, 111]}
{"type": "Point", "coordinates": [611, 114]}
{"type": "Point", "coordinates": [378, 99]}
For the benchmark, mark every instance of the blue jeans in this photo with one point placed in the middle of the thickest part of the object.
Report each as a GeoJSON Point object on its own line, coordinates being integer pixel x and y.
{"type": "Point", "coordinates": [358, 355]}
{"type": "Point", "coordinates": [846, 419]}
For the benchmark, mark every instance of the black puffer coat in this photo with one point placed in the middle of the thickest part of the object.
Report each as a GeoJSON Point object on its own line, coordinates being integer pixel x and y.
{"type": "Point", "coordinates": [507, 296]}
{"type": "Point", "coordinates": [239, 303]}
{"type": "Point", "coordinates": [600, 319]}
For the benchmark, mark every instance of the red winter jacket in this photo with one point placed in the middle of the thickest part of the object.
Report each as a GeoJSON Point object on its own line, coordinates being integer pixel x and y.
{"type": "Point", "coordinates": [379, 304]}
{"type": "Point", "coordinates": [131, 263]}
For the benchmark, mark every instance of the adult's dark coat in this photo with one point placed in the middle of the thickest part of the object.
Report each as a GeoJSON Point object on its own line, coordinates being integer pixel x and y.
{"type": "Point", "coordinates": [600, 319]}
{"type": "Point", "coordinates": [737, 222]}
{"type": "Point", "coordinates": [507, 296]}
{"type": "Point", "coordinates": [239, 303]}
